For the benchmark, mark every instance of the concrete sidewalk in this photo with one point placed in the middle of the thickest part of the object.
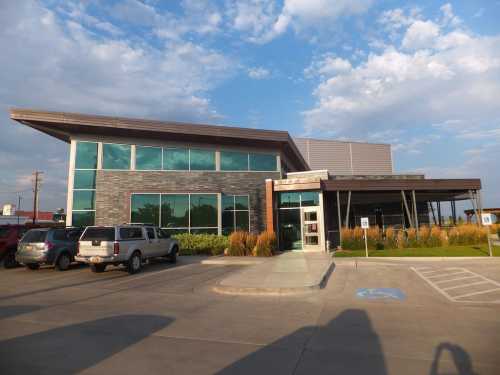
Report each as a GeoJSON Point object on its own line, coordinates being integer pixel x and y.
{"type": "Point", "coordinates": [287, 273]}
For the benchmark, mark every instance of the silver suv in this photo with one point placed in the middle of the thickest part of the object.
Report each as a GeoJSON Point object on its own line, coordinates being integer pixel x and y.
{"type": "Point", "coordinates": [127, 244]}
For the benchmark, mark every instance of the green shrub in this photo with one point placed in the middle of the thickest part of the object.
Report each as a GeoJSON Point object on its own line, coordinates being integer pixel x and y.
{"type": "Point", "coordinates": [266, 245]}
{"type": "Point", "coordinates": [374, 237]}
{"type": "Point", "coordinates": [238, 242]}
{"type": "Point", "coordinates": [250, 243]}
{"type": "Point", "coordinates": [468, 234]}
{"type": "Point", "coordinates": [201, 244]}
{"type": "Point", "coordinates": [352, 239]}
{"type": "Point", "coordinates": [391, 239]}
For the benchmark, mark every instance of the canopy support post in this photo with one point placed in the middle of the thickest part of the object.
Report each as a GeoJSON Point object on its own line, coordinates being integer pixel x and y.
{"type": "Point", "coordinates": [403, 195]}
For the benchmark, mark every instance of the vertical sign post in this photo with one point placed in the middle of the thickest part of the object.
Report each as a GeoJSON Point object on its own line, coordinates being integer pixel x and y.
{"type": "Point", "coordinates": [487, 222]}
{"type": "Point", "coordinates": [365, 224]}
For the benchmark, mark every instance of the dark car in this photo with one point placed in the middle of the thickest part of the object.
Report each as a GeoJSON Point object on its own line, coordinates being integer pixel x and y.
{"type": "Point", "coordinates": [52, 246]}
{"type": "Point", "coordinates": [9, 237]}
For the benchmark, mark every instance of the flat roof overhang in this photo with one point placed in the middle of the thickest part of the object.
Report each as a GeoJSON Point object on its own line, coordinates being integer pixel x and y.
{"type": "Point", "coordinates": [389, 190]}
{"type": "Point", "coordinates": [63, 125]}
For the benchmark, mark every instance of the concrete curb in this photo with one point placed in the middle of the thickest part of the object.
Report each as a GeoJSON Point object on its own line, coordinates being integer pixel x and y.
{"type": "Point", "coordinates": [232, 261]}
{"type": "Point", "coordinates": [280, 291]}
{"type": "Point", "coordinates": [413, 259]}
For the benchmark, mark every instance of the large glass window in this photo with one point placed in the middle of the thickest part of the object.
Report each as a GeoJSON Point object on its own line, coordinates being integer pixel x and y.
{"type": "Point", "coordinates": [115, 156]}
{"type": "Point", "coordinates": [289, 216]}
{"type": "Point", "coordinates": [235, 214]}
{"type": "Point", "coordinates": [289, 229]}
{"type": "Point", "coordinates": [291, 199]}
{"type": "Point", "coordinates": [298, 199]}
{"type": "Point", "coordinates": [263, 162]}
{"type": "Point", "coordinates": [175, 211]}
{"type": "Point", "coordinates": [202, 160]}
{"type": "Point", "coordinates": [145, 208]}
{"type": "Point", "coordinates": [176, 159]}
{"type": "Point", "coordinates": [86, 155]}
{"type": "Point", "coordinates": [83, 199]}
{"type": "Point", "coordinates": [147, 158]}
{"type": "Point", "coordinates": [233, 161]}
{"type": "Point", "coordinates": [179, 213]}
{"type": "Point", "coordinates": [84, 179]}
{"type": "Point", "coordinates": [309, 198]}
{"type": "Point", "coordinates": [84, 182]}
{"type": "Point", "coordinates": [82, 218]}
{"type": "Point", "coordinates": [203, 210]}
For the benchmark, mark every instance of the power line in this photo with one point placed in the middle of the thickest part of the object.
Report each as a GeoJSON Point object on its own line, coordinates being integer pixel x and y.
{"type": "Point", "coordinates": [16, 191]}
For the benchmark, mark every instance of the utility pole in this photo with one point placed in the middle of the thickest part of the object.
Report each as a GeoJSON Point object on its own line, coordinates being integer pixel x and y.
{"type": "Point", "coordinates": [36, 189]}
{"type": "Point", "coordinates": [18, 207]}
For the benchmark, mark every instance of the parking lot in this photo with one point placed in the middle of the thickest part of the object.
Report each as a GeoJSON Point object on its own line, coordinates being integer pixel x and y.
{"type": "Point", "coordinates": [168, 320]}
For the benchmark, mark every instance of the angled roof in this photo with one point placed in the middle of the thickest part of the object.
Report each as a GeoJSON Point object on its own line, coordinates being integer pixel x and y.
{"type": "Point", "coordinates": [63, 124]}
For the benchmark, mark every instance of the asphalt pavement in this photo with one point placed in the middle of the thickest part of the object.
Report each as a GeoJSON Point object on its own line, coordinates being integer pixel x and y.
{"type": "Point", "coordinates": [371, 317]}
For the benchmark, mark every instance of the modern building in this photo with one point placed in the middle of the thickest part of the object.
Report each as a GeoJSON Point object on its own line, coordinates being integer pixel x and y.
{"type": "Point", "coordinates": [216, 179]}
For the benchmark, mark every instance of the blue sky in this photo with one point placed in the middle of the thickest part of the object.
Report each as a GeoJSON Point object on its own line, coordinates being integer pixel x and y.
{"type": "Point", "coordinates": [423, 76]}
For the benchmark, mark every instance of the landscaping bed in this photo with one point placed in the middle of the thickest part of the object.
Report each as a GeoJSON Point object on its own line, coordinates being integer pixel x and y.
{"type": "Point", "coordinates": [448, 251]}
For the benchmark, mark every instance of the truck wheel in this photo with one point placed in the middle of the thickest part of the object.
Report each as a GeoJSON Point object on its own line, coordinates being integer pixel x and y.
{"type": "Point", "coordinates": [33, 266]}
{"type": "Point", "coordinates": [134, 264]}
{"type": "Point", "coordinates": [63, 262]}
{"type": "Point", "coordinates": [172, 257]}
{"type": "Point", "coordinates": [97, 268]}
{"type": "Point", "coordinates": [10, 260]}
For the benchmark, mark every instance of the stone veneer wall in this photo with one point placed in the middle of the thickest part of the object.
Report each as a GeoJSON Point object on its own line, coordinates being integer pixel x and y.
{"type": "Point", "coordinates": [113, 190]}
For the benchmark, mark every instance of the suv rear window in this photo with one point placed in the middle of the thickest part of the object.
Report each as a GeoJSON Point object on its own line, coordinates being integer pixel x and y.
{"type": "Point", "coordinates": [130, 233]}
{"type": "Point", "coordinates": [4, 232]}
{"type": "Point", "coordinates": [35, 235]}
{"type": "Point", "coordinates": [59, 235]}
{"type": "Point", "coordinates": [99, 234]}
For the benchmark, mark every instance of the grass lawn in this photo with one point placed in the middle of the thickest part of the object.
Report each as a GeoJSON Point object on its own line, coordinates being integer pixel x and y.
{"type": "Point", "coordinates": [449, 251]}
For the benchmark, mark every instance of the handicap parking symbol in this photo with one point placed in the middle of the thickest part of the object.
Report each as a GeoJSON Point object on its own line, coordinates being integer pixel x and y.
{"type": "Point", "coordinates": [380, 293]}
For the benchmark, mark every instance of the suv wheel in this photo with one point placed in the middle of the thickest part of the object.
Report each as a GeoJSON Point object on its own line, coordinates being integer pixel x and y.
{"type": "Point", "coordinates": [10, 260]}
{"type": "Point", "coordinates": [172, 257]}
{"type": "Point", "coordinates": [134, 263]}
{"type": "Point", "coordinates": [33, 266]}
{"type": "Point", "coordinates": [63, 262]}
{"type": "Point", "coordinates": [97, 268]}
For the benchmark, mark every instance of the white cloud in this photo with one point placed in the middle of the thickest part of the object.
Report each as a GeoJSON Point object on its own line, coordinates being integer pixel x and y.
{"type": "Point", "coordinates": [420, 34]}
{"type": "Point", "coordinates": [258, 73]}
{"type": "Point", "coordinates": [449, 18]}
{"type": "Point", "coordinates": [328, 65]}
{"type": "Point", "coordinates": [449, 78]}
{"type": "Point", "coordinates": [51, 63]}
{"type": "Point", "coordinates": [263, 22]}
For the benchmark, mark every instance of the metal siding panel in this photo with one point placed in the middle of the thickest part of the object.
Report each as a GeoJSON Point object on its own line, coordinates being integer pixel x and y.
{"type": "Point", "coordinates": [326, 154]}
{"type": "Point", "coordinates": [371, 159]}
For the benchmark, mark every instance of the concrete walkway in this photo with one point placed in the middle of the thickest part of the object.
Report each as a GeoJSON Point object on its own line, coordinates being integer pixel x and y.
{"type": "Point", "coordinates": [287, 273]}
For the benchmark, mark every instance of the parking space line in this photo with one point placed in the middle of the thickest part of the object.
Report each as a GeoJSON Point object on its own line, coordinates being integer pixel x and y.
{"type": "Point", "coordinates": [456, 279]}
{"type": "Point", "coordinates": [481, 280]}
{"type": "Point", "coordinates": [440, 270]}
{"type": "Point", "coordinates": [448, 274]}
{"type": "Point", "coordinates": [476, 293]}
{"type": "Point", "coordinates": [465, 285]}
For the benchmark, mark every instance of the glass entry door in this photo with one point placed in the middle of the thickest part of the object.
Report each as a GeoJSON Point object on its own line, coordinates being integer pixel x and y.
{"type": "Point", "coordinates": [311, 231]}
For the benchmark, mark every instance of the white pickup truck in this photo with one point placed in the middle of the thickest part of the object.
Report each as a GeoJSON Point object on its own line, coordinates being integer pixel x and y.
{"type": "Point", "coordinates": [129, 245]}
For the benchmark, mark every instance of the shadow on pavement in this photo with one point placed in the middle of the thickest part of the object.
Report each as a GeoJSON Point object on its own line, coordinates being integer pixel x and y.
{"type": "Point", "coordinates": [461, 359]}
{"type": "Point", "coordinates": [74, 348]}
{"type": "Point", "coordinates": [330, 349]}
{"type": "Point", "coordinates": [10, 311]}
